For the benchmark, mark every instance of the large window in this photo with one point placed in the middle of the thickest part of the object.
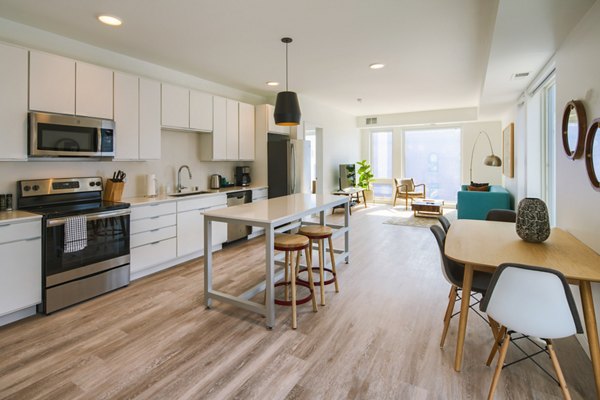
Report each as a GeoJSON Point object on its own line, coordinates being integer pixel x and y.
{"type": "Point", "coordinates": [432, 157]}
{"type": "Point", "coordinates": [381, 162]}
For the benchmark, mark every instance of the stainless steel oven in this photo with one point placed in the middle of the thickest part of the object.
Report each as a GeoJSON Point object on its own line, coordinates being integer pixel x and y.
{"type": "Point", "coordinates": [100, 262]}
{"type": "Point", "coordinates": [58, 135]}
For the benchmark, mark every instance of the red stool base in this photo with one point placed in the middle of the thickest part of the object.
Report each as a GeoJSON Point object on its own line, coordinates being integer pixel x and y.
{"type": "Point", "coordinates": [298, 301]}
{"type": "Point", "coordinates": [316, 269]}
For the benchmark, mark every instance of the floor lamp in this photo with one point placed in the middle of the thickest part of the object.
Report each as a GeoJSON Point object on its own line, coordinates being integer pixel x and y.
{"type": "Point", "coordinates": [492, 160]}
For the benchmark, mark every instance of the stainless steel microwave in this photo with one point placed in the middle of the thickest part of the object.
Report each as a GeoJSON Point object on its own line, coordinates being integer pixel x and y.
{"type": "Point", "coordinates": [58, 135]}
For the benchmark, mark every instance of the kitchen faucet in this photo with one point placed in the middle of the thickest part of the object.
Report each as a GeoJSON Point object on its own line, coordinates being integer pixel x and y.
{"type": "Point", "coordinates": [180, 187]}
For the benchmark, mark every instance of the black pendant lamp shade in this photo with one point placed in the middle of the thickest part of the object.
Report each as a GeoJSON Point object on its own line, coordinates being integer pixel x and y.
{"type": "Point", "coordinates": [287, 108]}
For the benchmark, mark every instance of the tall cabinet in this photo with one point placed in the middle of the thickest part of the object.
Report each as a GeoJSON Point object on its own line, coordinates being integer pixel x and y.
{"type": "Point", "coordinates": [13, 102]}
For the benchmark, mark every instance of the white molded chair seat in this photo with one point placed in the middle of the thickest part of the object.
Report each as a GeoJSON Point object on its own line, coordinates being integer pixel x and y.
{"type": "Point", "coordinates": [533, 301]}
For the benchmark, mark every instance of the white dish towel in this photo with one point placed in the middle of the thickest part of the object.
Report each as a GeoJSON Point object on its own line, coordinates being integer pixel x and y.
{"type": "Point", "coordinates": [75, 233]}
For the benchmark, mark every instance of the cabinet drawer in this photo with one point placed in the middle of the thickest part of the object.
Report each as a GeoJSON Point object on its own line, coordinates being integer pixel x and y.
{"type": "Point", "coordinates": [155, 235]}
{"type": "Point", "coordinates": [153, 210]}
{"type": "Point", "coordinates": [260, 194]}
{"type": "Point", "coordinates": [12, 231]}
{"type": "Point", "coordinates": [201, 203]}
{"type": "Point", "coordinates": [21, 269]}
{"type": "Point", "coordinates": [157, 222]}
{"type": "Point", "coordinates": [153, 254]}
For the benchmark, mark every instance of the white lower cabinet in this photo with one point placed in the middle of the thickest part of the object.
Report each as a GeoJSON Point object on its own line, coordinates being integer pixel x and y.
{"type": "Point", "coordinates": [153, 235]}
{"type": "Point", "coordinates": [190, 224]}
{"type": "Point", "coordinates": [21, 267]}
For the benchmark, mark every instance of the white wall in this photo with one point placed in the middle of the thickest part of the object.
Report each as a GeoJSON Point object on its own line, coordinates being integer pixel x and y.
{"type": "Point", "coordinates": [177, 147]}
{"type": "Point", "coordinates": [577, 77]}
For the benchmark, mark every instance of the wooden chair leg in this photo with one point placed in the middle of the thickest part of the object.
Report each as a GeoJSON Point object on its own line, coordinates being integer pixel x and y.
{"type": "Point", "coordinates": [559, 374]}
{"type": "Point", "coordinates": [321, 271]}
{"type": "Point", "coordinates": [287, 275]}
{"type": "Point", "coordinates": [332, 256]}
{"type": "Point", "coordinates": [295, 273]}
{"type": "Point", "coordinates": [293, 268]}
{"type": "Point", "coordinates": [501, 358]}
{"type": "Point", "coordinates": [448, 315]}
{"type": "Point", "coordinates": [311, 281]}
{"type": "Point", "coordinates": [497, 343]}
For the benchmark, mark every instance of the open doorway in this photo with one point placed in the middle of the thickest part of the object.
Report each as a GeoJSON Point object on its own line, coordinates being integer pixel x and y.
{"type": "Point", "coordinates": [314, 135]}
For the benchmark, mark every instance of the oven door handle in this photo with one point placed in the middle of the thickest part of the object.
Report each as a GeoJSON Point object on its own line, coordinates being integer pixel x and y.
{"type": "Point", "coordinates": [90, 217]}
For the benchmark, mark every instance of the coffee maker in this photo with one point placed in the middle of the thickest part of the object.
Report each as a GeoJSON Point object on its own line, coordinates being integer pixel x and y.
{"type": "Point", "coordinates": [242, 176]}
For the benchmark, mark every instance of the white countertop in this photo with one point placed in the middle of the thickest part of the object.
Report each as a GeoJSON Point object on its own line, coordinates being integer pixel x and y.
{"type": "Point", "coordinates": [142, 200]}
{"type": "Point", "coordinates": [278, 209]}
{"type": "Point", "coordinates": [18, 216]}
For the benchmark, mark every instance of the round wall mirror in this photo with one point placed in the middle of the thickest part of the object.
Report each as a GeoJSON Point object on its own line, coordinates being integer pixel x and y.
{"type": "Point", "coordinates": [574, 124]}
{"type": "Point", "coordinates": [592, 154]}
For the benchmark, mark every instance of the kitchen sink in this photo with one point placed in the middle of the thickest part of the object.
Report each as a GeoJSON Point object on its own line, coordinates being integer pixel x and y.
{"type": "Point", "coordinates": [183, 194]}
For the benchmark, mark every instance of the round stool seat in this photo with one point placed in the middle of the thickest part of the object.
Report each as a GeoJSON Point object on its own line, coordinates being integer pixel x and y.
{"type": "Point", "coordinates": [289, 242]}
{"type": "Point", "coordinates": [316, 231]}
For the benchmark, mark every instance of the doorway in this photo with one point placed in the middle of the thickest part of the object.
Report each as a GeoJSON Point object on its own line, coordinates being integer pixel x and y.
{"type": "Point", "coordinates": [314, 135]}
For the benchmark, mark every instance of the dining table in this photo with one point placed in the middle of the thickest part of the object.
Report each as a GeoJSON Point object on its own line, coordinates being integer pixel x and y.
{"type": "Point", "coordinates": [275, 215]}
{"type": "Point", "coordinates": [484, 245]}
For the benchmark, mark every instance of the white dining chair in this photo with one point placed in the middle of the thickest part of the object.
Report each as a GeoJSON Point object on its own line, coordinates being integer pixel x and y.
{"type": "Point", "coordinates": [532, 301]}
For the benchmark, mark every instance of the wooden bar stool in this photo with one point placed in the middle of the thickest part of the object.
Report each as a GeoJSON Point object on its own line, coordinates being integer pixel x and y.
{"type": "Point", "coordinates": [290, 243]}
{"type": "Point", "coordinates": [320, 233]}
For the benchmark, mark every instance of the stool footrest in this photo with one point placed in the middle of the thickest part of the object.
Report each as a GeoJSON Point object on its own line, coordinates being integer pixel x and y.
{"type": "Point", "coordinates": [316, 283]}
{"type": "Point", "coordinates": [298, 301]}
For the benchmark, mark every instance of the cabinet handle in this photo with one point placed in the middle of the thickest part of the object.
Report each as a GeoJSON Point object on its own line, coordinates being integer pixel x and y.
{"type": "Point", "coordinates": [32, 239]}
{"type": "Point", "coordinates": [153, 243]}
{"type": "Point", "coordinates": [155, 230]}
{"type": "Point", "coordinates": [158, 216]}
{"type": "Point", "coordinates": [5, 225]}
{"type": "Point", "coordinates": [154, 204]}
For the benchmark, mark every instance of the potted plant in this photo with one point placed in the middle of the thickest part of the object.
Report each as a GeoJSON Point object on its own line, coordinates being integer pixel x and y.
{"type": "Point", "coordinates": [365, 176]}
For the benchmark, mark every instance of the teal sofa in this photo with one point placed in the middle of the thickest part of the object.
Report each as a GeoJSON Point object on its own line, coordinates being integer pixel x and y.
{"type": "Point", "coordinates": [475, 205]}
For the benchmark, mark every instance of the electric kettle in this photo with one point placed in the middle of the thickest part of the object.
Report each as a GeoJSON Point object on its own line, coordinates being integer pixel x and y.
{"type": "Point", "coordinates": [215, 181]}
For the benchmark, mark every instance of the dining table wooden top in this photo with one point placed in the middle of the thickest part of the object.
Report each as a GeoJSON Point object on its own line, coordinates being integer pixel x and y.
{"type": "Point", "coordinates": [491, 243]}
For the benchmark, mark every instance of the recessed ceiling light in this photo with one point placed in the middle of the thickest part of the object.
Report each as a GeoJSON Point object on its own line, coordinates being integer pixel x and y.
{"type": "Point", "coordinates": [272, 83]}
{"type": "Point", "coordinates": [376, 66]}
{"type": "Point", "coordinates": [110, 20]}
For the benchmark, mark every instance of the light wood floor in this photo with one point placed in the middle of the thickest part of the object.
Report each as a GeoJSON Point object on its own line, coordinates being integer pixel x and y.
{"type": "Point", "coordinates": [377, 339]}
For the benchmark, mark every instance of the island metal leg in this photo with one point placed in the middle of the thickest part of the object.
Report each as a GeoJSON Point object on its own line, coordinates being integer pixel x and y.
{"type": "Point", "coordinates": [347, 234]}
{"type": "Point", "coordinates": [270, 272]}
{"type": "Point", "coordinates": [207, 261]}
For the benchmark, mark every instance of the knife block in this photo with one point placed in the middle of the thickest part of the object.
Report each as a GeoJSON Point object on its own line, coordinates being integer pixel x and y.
{"type": "Point", "coordinates": [113, 191]}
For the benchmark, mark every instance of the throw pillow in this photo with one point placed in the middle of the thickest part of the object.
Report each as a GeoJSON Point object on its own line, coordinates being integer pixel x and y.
{"type": "Point", "coordinates": [479, 188]}
{"type": "Point", "coordinates": [475, 184]}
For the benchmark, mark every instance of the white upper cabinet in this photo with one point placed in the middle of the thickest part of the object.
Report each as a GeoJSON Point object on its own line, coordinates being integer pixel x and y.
{"type": "Point", "coordinates": [219, 135]}
{"type": "Point", "coordinates": [127, 116]}
{"type": "Point", "coordinates": [246, 132]}
{"type": "Point", "coordinates": [232, 128]}
{"type": "Point", "coordinates": [51, 83]}
{"type": "Point", "coordinates": [201, 111]}
{"type": "Point", "coordinates": [175, 106]}
{"type": "Point", "coordinates": [137, 118]}
{"type": "Point", "coordinates": [93, 91]}
{"type": "Point", "coordinates": [272, 127]}
{"type": "Point", "coordinates": [13, 102]}
{"type": "Point", "coordinates": [149, 140]}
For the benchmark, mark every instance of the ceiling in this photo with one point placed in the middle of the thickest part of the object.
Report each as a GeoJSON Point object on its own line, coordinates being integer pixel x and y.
{"type": "Point", "coordinates": [438, 54]}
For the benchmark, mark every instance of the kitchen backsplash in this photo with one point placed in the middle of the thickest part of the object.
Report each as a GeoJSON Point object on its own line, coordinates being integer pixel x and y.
{"type": "Point", "coordinates": [178, 148]}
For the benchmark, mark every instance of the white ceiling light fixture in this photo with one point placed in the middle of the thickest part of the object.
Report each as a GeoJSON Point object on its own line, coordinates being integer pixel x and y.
{"type": "Point", "coordinates": [272, 83]}
{"type": "Point", "coordinates": [376, 66]}
{"type": "Point", "coordinates": [110, 20]}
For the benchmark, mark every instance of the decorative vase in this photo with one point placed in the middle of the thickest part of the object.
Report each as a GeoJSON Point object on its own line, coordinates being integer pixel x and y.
{"type": "Point", "coordinates": [533, 223]}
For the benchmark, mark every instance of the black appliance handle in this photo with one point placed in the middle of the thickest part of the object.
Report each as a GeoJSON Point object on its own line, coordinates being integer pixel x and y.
{"type": "Point", "coordinates": [90, 217]}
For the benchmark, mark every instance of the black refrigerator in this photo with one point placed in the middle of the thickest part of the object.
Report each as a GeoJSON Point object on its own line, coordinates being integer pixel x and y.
{"type": "Point", "coordinates": [288, 165]}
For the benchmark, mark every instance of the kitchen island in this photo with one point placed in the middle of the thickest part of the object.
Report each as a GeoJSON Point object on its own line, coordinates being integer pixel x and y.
{"type": "Point", "coordinates": [276, 215]}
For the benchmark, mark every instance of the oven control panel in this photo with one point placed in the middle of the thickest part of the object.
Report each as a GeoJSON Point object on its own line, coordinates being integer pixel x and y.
{"type": "Point", "coordinates": [41, 187]}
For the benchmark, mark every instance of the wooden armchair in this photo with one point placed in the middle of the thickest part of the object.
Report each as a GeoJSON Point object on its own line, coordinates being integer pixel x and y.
{"type": "Point", "coordinates": [406, 188]}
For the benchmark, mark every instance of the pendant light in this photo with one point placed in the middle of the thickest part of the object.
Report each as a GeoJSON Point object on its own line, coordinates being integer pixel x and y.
{"type": "Point", "coordinates": [287, 109]}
